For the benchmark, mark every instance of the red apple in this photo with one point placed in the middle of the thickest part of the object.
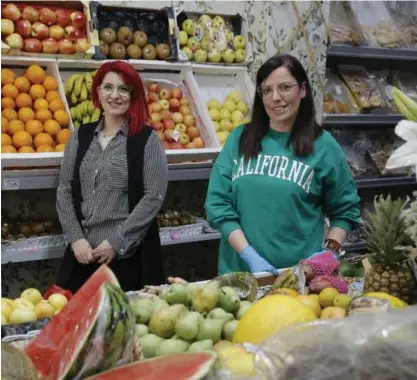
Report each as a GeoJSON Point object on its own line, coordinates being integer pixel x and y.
{"type": "Point", "coordinates": [166, 145]}
{"type": "Point", "coordinates": [15, 41]}
{"type": "Point", "coordinates": [11, 12]}
{"type": "Point", "coordinates": [154, 107]}
{"type": "Point", "coordinates": [165, 93]}
{"type": "Point", "coordinates": [7, 27]}
{"type": "Point", "coordinates": [189, 120]}
{"type": "Point", "coordinates": [66, 47]}
{"type": "Point", "coordinates": [177, 145]}
{"type": "Point", "coordinates": [56, 32]}
{"type": "Point", "coordinates": [177, 117]}
{"type": "Point", "coordinates": [153, 87]}
{"type": "Point", "coordinates": [24, 28]}
{"type": "Point", "coordinates": [155, 117]}
{"type": "Point", "coordinates": [153, 97]}
{"type": "Point", "coordinates": [82, 45]}
{"type": "Point", "coordinates": [168, 135]}
{"type": "Point", "coordinates": [164, 104]}
{"type": "Point", "coordinates": [50, 46]}
{"type": "Point", "coordinates": [78, 19]}
{"type": "Point", "coordinates": [160, 135]}
{"type": "Point", "coordinates": [184, 102]}
{"type": "Point", "coordinates": [166, 114]}
{"type": "Point", "coordinates": [40, 31]}
{"type": "Point", "coordinates": [168, 124]}
{"type": "Point", "coordinates": [174, 105]}
{"type": "Point", "coordinates": [30, 14]}
{"type": "Point", "coordinates": [177, 93]}
{"type": "Point", "coordinates": [157, 126]}
{"type": "Point", "coordinates": [33, 45]}
{"type": "Point", "coordinates": [185, 110]}
{"type": "Point", "coordinates": [79, 33]}
{"type": "Point", "coordinates": [70, 32]}
{"type": "Point", "coordinates": [47, 16]}
{"type": "Point", "coordinates": [62, 17]}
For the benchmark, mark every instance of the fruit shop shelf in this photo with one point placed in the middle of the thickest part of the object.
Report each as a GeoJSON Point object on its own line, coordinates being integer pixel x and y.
{"type": "Point", "coordinates": [362, 120]}
{"type": "Point", "coordinates": [386, 182]}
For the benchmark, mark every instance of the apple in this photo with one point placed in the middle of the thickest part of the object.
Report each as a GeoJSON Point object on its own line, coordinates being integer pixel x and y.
{"type": "Point", "coordinates": [222, 136]}
{"type": "Point", "coordinates": [214, 104]}
{"type": "Point", "coordinates": [166, 145]}
{"type": "Point", "coordinates": [58, 301]}
{"type": "Point", "coordinates": [22, 303]}
{"type": "Point", "coordinates": [185, 110]}
{"type": "Point", "coordinates": [183, 139]}
{"type": "Point", "coordinates": [183, 38]}
{"type": "Point", "coordinates": [237, 116]}
{"type": "Point", "coordinates": [200, 56]}
{"type": "Point", "coordinates": [154, 107]}
{"type": "Point", "coordinates": [216, 125]}
{"type": "Point", "coordinates": [160, 135]}
{"type": "Point", "coordinates": [157, 126]}
{"type": "Point", "coordinates": [235, 96]}
{"type": "Point", "coordinates": [164, 104]}
{"type": "Point", "coordinates": [240, 42]}
{"type": "Point", "coordinates": [214, 56]}
{"type": "Point", "coordinates": [82, 45]}
{"type": "Point", "coordinates": [15, 41]}
{"type": "Point", "coordinates": [218, 22]}
{"type": "Point", "coordinates": [199, 142]}
{"type": "Point", "coordinates": [228, 56]}
{"type": "Point", "coordinates": [189, 120]}
{"type": "Point", "coordinates": [230, 105]}
{"type": "Point", "coordinates": [32, 45]}
{"type": "Point", "coordinates": [30, 14]}
{"type": "Point", "coordinates": [11, 12]}
{"type": "Point", "coordinates": [214, 114]}
{"type": "Point", "coordinates": [168, 135]}
{"type": "Point", "coordinates": [190, 146]}
{"type": "Point", "coordinates": [184, 101]}
{"type": "Point", "coordinates": [165, 93]}
{"type": "Point", "coordinates": [70, 32]}
{"type": "Point", "coordinates": [7, 27]}
{"type": "Point", "coordinates": [178, 117]}
{"type": "Point", "coordinates": [153, 97]}
{"type": "Point", "coordinates": [44, 310]}
{"type": "Point", "coordinates": [62, 17]}
{"type": "Point", "coordinates": [193, 132]}
{"type": "Point", "coordinates": [240, 55]}
{"type": "Point", "coordinates": [155, 118]}
{"type": "Point", "coordinates": [78, 19]}
{"type": "Point", "coordinates": [40, 30]}
{"type": "Point", "coordinates": [32, 295]}
{"type": "Point", "coordinates": [50, 46]}
{"type": "Point", "coordinates": [242, 107]}
{"type": "Point", "coordinates": [47, 16]}
{"type": "Point", "coordinates": [225, 114]}
{"type": "Point", "coordinates": [229, 35]}
{"type": "Point", "coordinates": [176, 145]}
{"type": "Point", "coordinates": [166, 114]}
{"type": "Point", "coordinates": [56, 32]}
{"type": "Point", "coordinates": [154, 87]}
{"type": "Point", "coordinates": [187, 52]}
{"type": "Point", "coordinates": [176, 93]}
{"type": "Point", "coordinates": [188, 26]}
{"type": "Point", "coordinates": [333, 312]}
{"type": "Point", "coordinates": [66, 47]}
{"type": "Point", "coordinates": [193, 44]}
{"type": "Point", "coordinates": [174, 105]}
{"type": "Point", "coordinates": [181, 128]}
{"type": "Point", "coordinates": [168, 123]}
{"type": "Point", "coordinates": [24, 28]}
{"type": "Point", "coordinates": [226, 125]}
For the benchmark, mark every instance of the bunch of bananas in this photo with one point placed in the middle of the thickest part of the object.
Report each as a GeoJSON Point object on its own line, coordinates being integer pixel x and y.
{"type": "Point", "coordinates": [406, 105]}
{"type": "Point", "coordinates": [84, 113]}
{"type": "Point", "coordinates": [78, 87]}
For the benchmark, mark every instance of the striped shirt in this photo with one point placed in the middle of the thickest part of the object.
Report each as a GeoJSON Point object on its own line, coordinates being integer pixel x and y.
{"type": "Point", "coordinates": [104, 181]}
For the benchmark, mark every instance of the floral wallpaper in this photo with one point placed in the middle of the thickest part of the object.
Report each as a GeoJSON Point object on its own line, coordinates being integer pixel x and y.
{"type": "Point", "coordinates": [294, 27]}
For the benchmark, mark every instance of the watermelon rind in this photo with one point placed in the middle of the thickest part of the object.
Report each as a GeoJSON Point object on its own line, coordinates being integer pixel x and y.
{"type": "Point", "coordinates": [207, 361]}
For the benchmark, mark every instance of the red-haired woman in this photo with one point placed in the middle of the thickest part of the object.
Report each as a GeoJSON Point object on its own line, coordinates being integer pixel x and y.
{"type": "Point", "coordinates": [113, 182]}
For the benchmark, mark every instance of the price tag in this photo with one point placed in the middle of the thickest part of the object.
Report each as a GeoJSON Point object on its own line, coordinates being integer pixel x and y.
{"type": "Point", "coordinates": [176, 135]}
{"type": "Point", "coordinates": [11, 184]}
{"type": "Point", "coordinates": [338, 90]}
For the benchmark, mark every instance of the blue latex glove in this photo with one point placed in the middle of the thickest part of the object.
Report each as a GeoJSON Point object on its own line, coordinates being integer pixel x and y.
{"type": "Point", "coordinates": [324, 250]}
{"type": "Point", "coordinates": [255, 262]}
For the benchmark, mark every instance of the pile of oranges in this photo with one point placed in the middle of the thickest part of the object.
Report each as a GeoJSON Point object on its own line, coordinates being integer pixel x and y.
{"type": "Point", "coordinates": [33, 116]}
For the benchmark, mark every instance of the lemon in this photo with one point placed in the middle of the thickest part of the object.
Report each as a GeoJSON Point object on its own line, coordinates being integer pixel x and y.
{"type": "Point", "coordinates": [327, 296]}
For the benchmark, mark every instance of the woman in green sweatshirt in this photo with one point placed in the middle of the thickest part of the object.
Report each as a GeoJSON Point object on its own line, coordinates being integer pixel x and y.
{"type": "Point", "coordinates": [278, 177]}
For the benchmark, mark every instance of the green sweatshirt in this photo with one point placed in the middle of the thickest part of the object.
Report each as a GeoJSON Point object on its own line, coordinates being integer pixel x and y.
{"type": "Point", "coordinates": [280, 200]}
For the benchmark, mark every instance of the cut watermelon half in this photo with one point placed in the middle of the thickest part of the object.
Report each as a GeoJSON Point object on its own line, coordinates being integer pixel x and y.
{"type": "Point", "coordinates": [57, 347]}
{"type": "Point", "coordinates": [186, 366]}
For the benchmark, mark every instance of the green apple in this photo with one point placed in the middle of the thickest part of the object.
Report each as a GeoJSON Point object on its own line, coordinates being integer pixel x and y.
{"type": "Point", "coordinates": [229, 35]}
{"type": "Point", "coordinates": [242, 107]}
{"type": "Point", "coordinates": [237, 116]}
{"type": "Point", "coordinates": [187, 52]}
{"type": "Point", "coordinates": [206, 43]}
{"type": "Point", "coordinates": [225, 114]}
{"type": "Point", "coordinates": [216, 126]}
{"type": "Point", "coordinates": [193, 44]}
{"type": "Point", "coordinates": [235, 96]}
{"type": "Point", "coordinates": [188, 26]}
{"type": "Point", "coordinates": [200, 55]}
{"type": "Point", "coordinates": [183, 38]}
{"type": "Point", "coordinates": [214, 104]}
{"type": "Point", "coordinates": [205, 21]}
{"type": "Point", "coordinates": [230, 105]}
{"type": "Point", "coordinates": [236, 124]}
{"type": "Point", "coordinates": [214, 56]}
{"type": "Point", "coordinates": [240, 42]}
{"type": "Point", "coordinates": [226, 125]}
{"type": "Point", "coordinates": [214, 114]}
{"type": "Point", "coordinates": [218, 22]}
{"type": "Point", "coordinates": [240, 55]}
{"type": "Point", "coordinates": [228, 56]}
{"type": "Point", "coordinates": [222, 136]}
{"type": "Point", "coordinates": [32, 295]}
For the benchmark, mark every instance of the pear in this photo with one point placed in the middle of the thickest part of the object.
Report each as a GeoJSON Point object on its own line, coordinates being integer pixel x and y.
{"type": "Point", "coordinates": [205, 298]}
{"type": "Point", "coordinates": [172, 346]}
{"type": "Point", "coordinates": [243, 308]}
{"type": "Point", "coordinates": [229, 329]}
{"type": "Point", "coordinates": [187, 325]}
{"type": "Point", "coordinates": [143, 310]}
{"type": "Point", "coordinates": [229, 299]}
{"type": "Point", "coordinates": [219, 313]}
{"type": "Point", "coordinates": [210, 329]}
{"type": "Point", "coordinates": [141, 330]}
{"type": "Point", "coordinates": [159, 304]}
{"type": "Point", "coordinates": [204, 345]}
{"type": "Point", "coordinates": [191, 288]}
{"type": "Point", "coordinates": [175, 294]}
{"type": "Point", "coordinates": [149, 344]}
{"type": "Point", "coordinates": [163, 321]}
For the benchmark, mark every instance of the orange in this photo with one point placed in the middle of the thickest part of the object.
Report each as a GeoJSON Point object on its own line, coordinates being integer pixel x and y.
{"type": "Point", "coordinates": [9, 114]}
{"type": "Point", "coordinates": [23, 100]}
{"type": "Point", "coordinates": [63, 136]}
{"type": "Point", "coordinates": [25, 114]}
{"type": "Point", "coordinates": [37, 91]}
{"type": "Point", "coordinates": [4, 124]}
{"type": "Point", "coordinates": [60, 148]}
{"type": "Point", "coordinates": [52, 127]}
{"type": "Point", "coordinates": [22, 138]}
{"type": "Point", "coordinates": [43, 115]}
{"type": "Point", "coordinates": [6, 139]}
{"type": "Point", "coordinates": [8, 149]}
{"type": "Point", "coordinates": [7, 76]}
{"type": "Point", "coordinates": [50, 83]}
{"type": "Point", "coordinates": [34, 127]}
{"type": "Point", "coordinates": [62, 118]}
{"type": "Point", "coordinates": [22, 84]}
{"type": "Point", "coordinates": [56, 104]}
{"type": "Point", "coordinates": [52, 95]}
{"type": "Point", "coordinates": [40, 103]}
{"type": "Point", "coordinates": [44, 149]}
{"type": "Point", "coordinates": [10, 91]}
{"type": "Point", "coordinates": [35, 74]}
{"type": "Point", "coordinates": [15, 126]}
{"type": "Point", "coordinates": [7, 103]}
{"type": "Point", "coordinates": [43, 139]}
{"type": "Point", "coordinates": [26, 149]}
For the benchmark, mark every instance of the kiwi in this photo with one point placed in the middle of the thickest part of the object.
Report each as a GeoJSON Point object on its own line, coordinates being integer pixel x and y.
{"type": "Point", "coordinates": [124, 36]}
{"type": "Point", "coordinates": [107, 35]}
{"type": "Point", "coordinates": [149, 52]}
{"type": "Point", "coordinates": [134, 51]}
{"type": "Point", "coordinates": [140, 38]}
{"type": "Point", "coordinates": [163, 51]}
{"type": "Point", "coordinates": [117, 51]}
{"type": "Point", "coordinates": [104, 48]}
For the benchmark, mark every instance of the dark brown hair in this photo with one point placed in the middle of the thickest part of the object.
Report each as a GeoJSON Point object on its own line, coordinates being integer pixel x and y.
{"type": "Point", "coordinates": [305, 129]}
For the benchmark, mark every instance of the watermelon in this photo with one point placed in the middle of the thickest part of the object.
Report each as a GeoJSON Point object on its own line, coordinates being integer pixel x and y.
{"type": "Point", "coordinates": [79, 341]}
{"type": "Point", "coordinates": [185, 366]}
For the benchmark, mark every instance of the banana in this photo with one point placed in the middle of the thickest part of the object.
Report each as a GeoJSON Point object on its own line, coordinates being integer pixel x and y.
{"type": "Point", "coordinates": [86, 120]}
{"type": "Point", "coordinates": [84, 92]}
{"type": "Point", "coordinates": [96, 115]}
{"type": "Point", "coordinates": [73, 113]}
{"type": "Point", "coordinates": [89, 82]}
{"type": "Point", "coordinates": [77, 124]}
{"type": "Point", "coordinates": [85, 108]}
{"type": "Point", "coordinates": [94, 73]}
{"type": "Point", "coordinates": [69, 84]}
{"type": "Point", "coordinates": [78, 85]}
{"type": "Point", "coordinates": [91, 108]}
{"type": "Point", "coordinates": [74, 98]}
{"type": "Point", "coordinates": [406, 105]}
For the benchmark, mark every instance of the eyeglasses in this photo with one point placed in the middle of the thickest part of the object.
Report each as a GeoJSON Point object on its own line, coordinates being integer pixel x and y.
{"type": "Point", "coordinates": [284, 90]}
{"type": "Point", "coordinates": [122, 90]}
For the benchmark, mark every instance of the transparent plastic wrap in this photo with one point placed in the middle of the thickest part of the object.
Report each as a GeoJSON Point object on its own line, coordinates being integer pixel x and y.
{"type": "Point", "coordinates": [344, 28]}
{"type": "Point", "coordinates": [384, 79]}
{"type": "Point", "coordinates": [404, 14]}
{"type": "Point", "coordinates": [364, 88]}
{"type": "Point", "coordinates": [373, 345]}
{"type": "Point", "coordinates": [379, 29]}
{"type": "Point", "coordinates": [337, 99]}
{"type": "Point", "coordinates": [406, 82]}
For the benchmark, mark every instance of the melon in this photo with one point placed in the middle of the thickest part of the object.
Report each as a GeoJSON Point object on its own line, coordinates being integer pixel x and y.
{"type": "Point", "coordinates": [184, 366]}
{"type": "Point", "coordinates": [92, 333]}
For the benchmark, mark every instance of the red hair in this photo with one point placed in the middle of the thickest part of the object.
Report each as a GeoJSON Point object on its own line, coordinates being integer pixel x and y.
{"type": "Point", "coordinates": [138, 111]}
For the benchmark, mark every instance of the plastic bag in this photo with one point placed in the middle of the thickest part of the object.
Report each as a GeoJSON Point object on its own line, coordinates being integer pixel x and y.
{"type": "Point", "coordinates": [344, 28]}
{"type": "Point", "coordinates": [374, 345]}
{"type": "Point", "coordinates": [337, 98]}
{"type": "Point", "coordinates": [384, 80]}
{"type": "Point", "coordinates": [404, 14]}
{"type": "Point", "coordinates": [406, 82]}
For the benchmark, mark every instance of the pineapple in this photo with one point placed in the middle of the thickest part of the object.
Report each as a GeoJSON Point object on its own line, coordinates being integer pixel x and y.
{"type": "Point", "coordinates": [411, 220]}
{"type": "Point", "coordinates": [389, 245]}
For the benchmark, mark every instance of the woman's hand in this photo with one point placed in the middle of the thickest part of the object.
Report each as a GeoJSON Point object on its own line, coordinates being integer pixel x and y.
{"type": "Point", "coordinates": [82, 251]}
{"type": "Point", "coordinates": [255, 262]}
{"type": "Point", "coordinates": [104, 253]}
